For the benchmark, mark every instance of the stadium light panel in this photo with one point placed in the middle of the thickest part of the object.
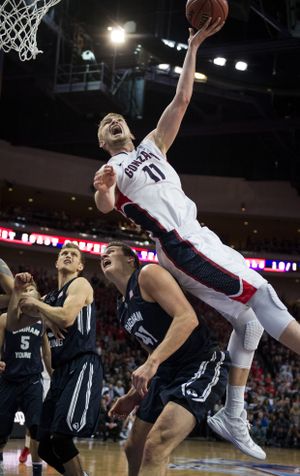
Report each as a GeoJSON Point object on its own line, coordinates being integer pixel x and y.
{"type": "Point", "coordinates": [163, 66]}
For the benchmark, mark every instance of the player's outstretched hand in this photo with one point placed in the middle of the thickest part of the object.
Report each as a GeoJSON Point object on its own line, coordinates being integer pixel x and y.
{"type": "Point", "coordinates": [57, 332]}
{"type": "Point", "coordinates": [105, 178]}
{"type": "Point", "coordinates": [142, 376]}
{"type": "Point", "coordinates": [2, 366]}
{"type": "Point", "coordinates": [21, 281]}
{"type": "Point", "coordinates": [122, 407]}
{"type": "Point", "coordinates": [208, 29]}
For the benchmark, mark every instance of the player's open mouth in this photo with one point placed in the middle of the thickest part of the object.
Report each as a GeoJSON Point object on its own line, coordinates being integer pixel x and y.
{"type": "Point", "coordinates": [116, 129]}
{"type": "Point", "coordinates": [106, 262]}
{"type": "Point", "coordinates": [67, 261]}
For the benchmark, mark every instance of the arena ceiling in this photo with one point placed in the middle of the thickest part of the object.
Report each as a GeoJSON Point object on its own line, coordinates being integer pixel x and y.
{"type": "Point", "coordinates": [239, 123]}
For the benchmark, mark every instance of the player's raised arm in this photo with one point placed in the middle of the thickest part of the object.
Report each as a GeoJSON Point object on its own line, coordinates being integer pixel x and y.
{"type": "Point", "coordinates": [16, 320]}
{"type": "Point", "coordinates": [6, 283]}
{"type": "Point", "coordinates": [169, 123]}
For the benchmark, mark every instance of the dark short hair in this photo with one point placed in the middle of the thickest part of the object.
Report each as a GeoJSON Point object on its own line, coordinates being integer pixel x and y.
{"type": "Point", "coordinates": [127, 251]}
{"type": "Point", "coordinates": [71, 245]}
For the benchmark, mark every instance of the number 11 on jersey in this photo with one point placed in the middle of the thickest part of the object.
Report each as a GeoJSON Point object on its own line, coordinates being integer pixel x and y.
{"type": "Point", "coordinates": [154, 172]}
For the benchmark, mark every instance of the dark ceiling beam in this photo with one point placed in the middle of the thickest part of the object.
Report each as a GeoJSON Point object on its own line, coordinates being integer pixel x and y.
{"type": "Point", "coordinates": [270, 20]}
{"type": "Point", "coordinates": [244, 127]}
{"type": "Point", "coordinates": [254, 47]}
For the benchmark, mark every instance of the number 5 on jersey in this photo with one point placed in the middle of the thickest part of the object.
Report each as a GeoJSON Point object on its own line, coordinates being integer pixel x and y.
{"type": "Point", "coordinates": [25, 342]}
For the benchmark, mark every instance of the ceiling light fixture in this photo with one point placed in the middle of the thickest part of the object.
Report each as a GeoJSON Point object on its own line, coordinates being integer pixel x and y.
{"type": "Point", "coordinates": [219, 61]}
{"type": "Point", "coordinates": [200, 77]}
{"type": "Point", "coordinates": [164, 67]}
{"type": "Point", "coordinates": [117, 35]}
{"type": "Point", "coordinates": [241, 66]}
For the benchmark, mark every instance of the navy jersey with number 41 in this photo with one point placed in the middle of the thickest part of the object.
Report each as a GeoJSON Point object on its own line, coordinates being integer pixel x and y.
{"type": "Point", "coordinates": [149, 323]}
{"type": "Point", "coordinates": [80, 337]}
{"type": "Point", "coordinates": [22, 352]}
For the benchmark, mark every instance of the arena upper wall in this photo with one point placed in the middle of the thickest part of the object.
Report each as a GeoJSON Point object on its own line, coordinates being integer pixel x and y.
{"type": "Point", "coordinates": [57, 172]}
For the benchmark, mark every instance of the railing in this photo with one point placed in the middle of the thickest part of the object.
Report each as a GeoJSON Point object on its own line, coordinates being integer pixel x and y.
{"type": "Point", "coordinates": [85, 75]}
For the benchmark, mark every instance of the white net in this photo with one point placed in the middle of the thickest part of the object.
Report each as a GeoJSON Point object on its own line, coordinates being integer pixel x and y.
{"type": "Point", "coordinates": [19, 22]}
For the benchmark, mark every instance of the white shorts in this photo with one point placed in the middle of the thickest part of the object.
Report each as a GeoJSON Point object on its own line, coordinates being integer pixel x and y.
{"type": "Point", "coordinates": [208, 269]}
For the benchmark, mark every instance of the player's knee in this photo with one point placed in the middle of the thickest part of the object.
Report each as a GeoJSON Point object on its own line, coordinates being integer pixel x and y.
{"type": "Point", "coordinates": [33, 431]}
{"type": "Point", "coordinates": [248, 329]}
{"type": "Point", "coordinates": [244, 339]}
{"type": "Point", "coordinates": [270, 311]}
{"type": "Point", "coordinates": [64, 448]}
{"type": "Point", "coordinates": [156, 448]}
{"type": "Point", "coordinates": [151, 453]}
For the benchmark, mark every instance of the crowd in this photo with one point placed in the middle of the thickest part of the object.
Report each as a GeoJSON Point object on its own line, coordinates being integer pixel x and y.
{"type": "Point", "coordinates": [126, 230]}
{"type": "Point", "coordinates": [61, 220]}
{"type": "Point", "coordinates": [273, 245]}
{"type": "Point", "coordinates": [272, 396]}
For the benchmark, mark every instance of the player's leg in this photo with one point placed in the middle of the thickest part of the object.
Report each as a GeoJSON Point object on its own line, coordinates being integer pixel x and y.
{"type": "Point", "coordinates": [31, 402]}
{"type": "Point", "coordinates": [147, 414]}
{"type": "Point", "coordinates": [173, 425]}
{"type": "Point", "coordinates": [37, 465]}
{"type": "Point", "coordinates": [45, 448]}
{"type": "Point", "coordinates": [26, 450]}
{"type": "Point", "coordinates": [8, 408]}
{"type": "Point", "coordinates": [220, 277]}
{"type": "Point", "coordinates": [77, 409]}
{"type": "Point", "coordinates": [187, 393]}
{"type": "Point", "coordinates": [134, 446]}
{"type": "Point", "coordinates": [231, 421]}
{"type": "Point", "coordinates": [64, 448]}
{"type": "Point", "coordinates": [46, 452]}
{"type": "Point", "coordinates": [275, 318]}
{"type": "Point", "coordinates": [290, 337]}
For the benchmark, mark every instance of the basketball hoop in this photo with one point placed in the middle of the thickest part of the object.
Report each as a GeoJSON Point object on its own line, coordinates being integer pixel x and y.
{"type": "Point", "coordinates": [19, 22]}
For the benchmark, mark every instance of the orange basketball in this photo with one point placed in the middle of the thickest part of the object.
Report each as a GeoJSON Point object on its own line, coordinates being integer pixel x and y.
{"type": "Point", "coordinates": [198, 11]}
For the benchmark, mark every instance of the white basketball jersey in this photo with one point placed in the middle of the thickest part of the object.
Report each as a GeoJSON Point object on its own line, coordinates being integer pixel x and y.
{"type": "Point", "coordinates": [150, 191]}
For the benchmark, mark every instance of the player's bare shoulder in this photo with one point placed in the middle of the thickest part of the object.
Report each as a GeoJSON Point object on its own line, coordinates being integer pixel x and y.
{"type": "Point", "coordinates": [150, 275]}
{"type": "Point", "coordinates": [81, 286]}
{"type": "Point", "coordinates": [154, 137]}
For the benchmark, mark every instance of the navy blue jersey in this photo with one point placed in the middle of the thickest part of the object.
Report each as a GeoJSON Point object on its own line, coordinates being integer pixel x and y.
{"type": "Point", "coordinates": [149, 323]}
{"type": "Point", "coordinates": [22, 352]}
{"type": "Point", "coordinates": [80, 337]}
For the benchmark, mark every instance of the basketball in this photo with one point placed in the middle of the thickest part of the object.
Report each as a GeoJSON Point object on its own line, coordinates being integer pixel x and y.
{"type": "Point", "coordinates": [199, 11]}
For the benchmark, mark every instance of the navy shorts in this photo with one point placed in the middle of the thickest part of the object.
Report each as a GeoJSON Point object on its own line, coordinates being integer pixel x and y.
{"type": "Point", "coordinates": [26, 396]}
{"type": "Point", "coordinates": [72, 404]}
{"type": "Point", "coordinates": [196, 385]}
